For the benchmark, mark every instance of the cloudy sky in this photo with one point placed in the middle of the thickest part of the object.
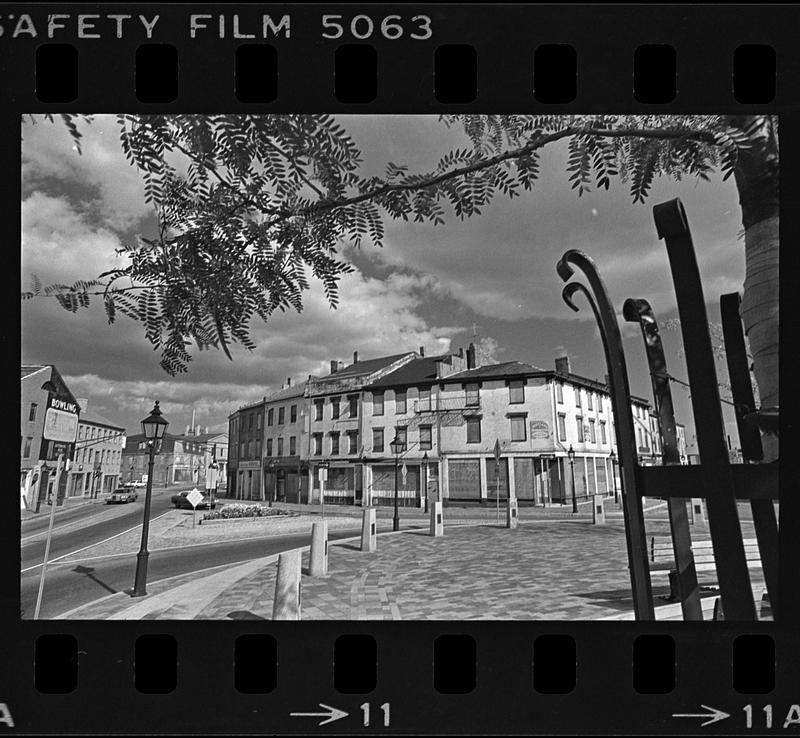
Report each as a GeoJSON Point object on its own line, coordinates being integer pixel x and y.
{"type": "Point", "coordinates": [489, 279]}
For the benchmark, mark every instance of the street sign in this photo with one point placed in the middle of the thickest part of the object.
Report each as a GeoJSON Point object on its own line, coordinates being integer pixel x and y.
{"type": "Point", "coordinates": [323, 473]}
{"type": "Point", "coordinates": [497, 450]}
{"type": "Point", "coordinates": [194, 497]}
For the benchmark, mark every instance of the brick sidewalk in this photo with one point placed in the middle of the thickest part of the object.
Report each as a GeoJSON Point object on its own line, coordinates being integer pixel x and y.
{"type": "Point", "coordinates": [554, 570]}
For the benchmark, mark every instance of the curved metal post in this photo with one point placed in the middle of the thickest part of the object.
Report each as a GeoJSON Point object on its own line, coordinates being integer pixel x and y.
{"type": "Point", "coordinates": [764, 519]}
{"type": "Point", "coordinates": [623, 426]}
{"type": "Point", "coordinates": [639, 311]}
{"type": "Point", "coordinates": [715, 470]}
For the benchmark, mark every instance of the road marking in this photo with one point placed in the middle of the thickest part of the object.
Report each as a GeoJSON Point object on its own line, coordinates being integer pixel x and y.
{"type": "Point", "coordinates": [715, 715]}
{"type": "Point", "coordinates": [91, 545]}
{"type": "Point", "coordinates": [191, 545]}
{"type": "Point", "coordinates": [331, 713]}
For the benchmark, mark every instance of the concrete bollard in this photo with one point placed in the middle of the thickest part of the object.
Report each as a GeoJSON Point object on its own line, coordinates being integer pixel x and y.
{"type": "Point", "coordinates": [369, 530]}
{"type": "Point", "coordinates": [512, 513]}
{"type": "Point", "coordinates": [437, 526]}
{"type": "Point", "coordinates": [318, 558]}
{"type": "Point", "coordinates": [286, 605]}
{"type": "Point", "coordinates": [698, 512]}
{"type": "Point", "coordinates": [598, 511]}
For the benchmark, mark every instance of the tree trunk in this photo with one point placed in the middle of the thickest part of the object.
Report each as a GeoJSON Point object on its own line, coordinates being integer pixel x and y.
{"type": "Point", "coordinates": [757, 181]}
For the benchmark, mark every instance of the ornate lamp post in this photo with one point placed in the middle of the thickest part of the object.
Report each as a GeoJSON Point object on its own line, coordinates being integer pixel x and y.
{"type": "Point", "coordinates": [425, 478]}
{"type": "Point", "coordinates": [571, 455]}
{"type": "Point", "coordinates": [614, 475]}
{"type": "Point", "coordinates": [154, 426]}
{"type": "Point", "coordinates": [396, 447]}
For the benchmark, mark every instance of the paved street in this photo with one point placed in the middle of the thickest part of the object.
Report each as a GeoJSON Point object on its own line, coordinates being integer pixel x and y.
{"type": "Point", "coordinates": [546, 569]}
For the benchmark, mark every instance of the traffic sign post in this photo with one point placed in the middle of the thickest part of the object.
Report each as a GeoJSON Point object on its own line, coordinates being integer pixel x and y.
{"type": "Point", "coordinates": [194, 497]}
{"type": "Point", "coordinates": [49, 537]}
{"type": "Point", "coordinates": [497, 477]}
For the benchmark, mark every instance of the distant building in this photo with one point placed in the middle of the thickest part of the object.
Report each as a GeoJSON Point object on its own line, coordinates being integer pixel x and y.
{"type": "Point", "coordinates": [97, 462]}
{"type": "Point", "coordinates": [285, 445]}
{"type": "Point", "coordinates": [180, 459]}
{"type": "Point", "coordinates": [245, 437]}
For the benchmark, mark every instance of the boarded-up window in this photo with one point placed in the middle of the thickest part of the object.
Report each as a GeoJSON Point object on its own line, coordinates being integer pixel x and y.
{"type": "Point", "coordinates": [383, 480]}
{"type": "Point", "coordinates": [602, 482]}
{"type": "Point", "coordinates": [464, 479]}
{"type": "Point", "coordinates": [492, 480]}
{"type": "Point", "coordinates": [523, 479]}
{"type": "Point", "coordinates": [516, 391]}
{"type": "Point", "coordinates": [377, 439]}
{"type": "Point", "coordinates": [473, 430]}
{"type": "Point", "coordinates": [518, 428]}
{"type": "Point", "coordinates": [590, 488]}
{"type": "Point", "coordinates": [377, 403]}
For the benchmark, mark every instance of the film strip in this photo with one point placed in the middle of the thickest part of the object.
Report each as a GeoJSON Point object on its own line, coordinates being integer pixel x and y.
{"type": "Point", "coordinates": [495, 598]}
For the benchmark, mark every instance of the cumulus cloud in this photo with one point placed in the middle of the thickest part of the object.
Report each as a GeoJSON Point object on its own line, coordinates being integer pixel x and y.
{"type": "Point", "coordinates": [50, 158]}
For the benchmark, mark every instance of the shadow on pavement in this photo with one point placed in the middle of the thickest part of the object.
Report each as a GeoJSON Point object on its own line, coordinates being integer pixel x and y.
{"type": "Point", "coordinates": [244, 615]}
{"type": "Point", "coordinates": [87, 570]}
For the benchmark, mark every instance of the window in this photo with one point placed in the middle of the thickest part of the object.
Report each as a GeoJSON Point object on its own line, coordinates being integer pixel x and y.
{"type": "Point", "coordinates": [516, 391]}
{"type": "Point", "coordinates": [27, 453]}
{"type": "Point", "coordinates": [589, 400]}
{"type": "Point", "coordinates": [281, 415]}
{"type": "Point", "coordinates": [518, 428]}
{"type": "Point", "coordinates": [269, 447]}
{"type": "Point", "coordinates": [258, 448]}
{"type": "Point", "coordinates": [603, 437]}
{"type": "Point", "coordinates": [377, 439]}
{"type": "Point", "coordinates": [292, 445]}
{"type": "Point", "coordinates": [353, 405]}
{"type": "Point", "coordinates": [250, 448]}
{"type": "Point", "coordinates": [473, 394]}
{"type": "Point", "coordinates": [32, 413]}
{"type": "Point", "coordinates": [258, 421]}
{"type": "Point", "coordinates": [334, 408]}
{"type": "Point", "coordinates": [579, 428]}
{"type": "Point", "coordinates": [91, 453]}
{"type": "Point", "coordinates": [473, 430]}
{"type": "Point", "coordinates": [425, 399]}
{"type": "Point", "coordinates": [562, 427]}
{"type": "Point", "coordinates": [400, 403]}
{"type": "Point", "coordinates": [401, 434]}
{"type": "Point", "coordinates": [559, 392]}
{"type": "Point", "coordinates": [280, 447]}
{"type": "Point", "coordinates": [241, 450]}
{"type": "Point", "coordinates": [317, 444]}
{"type": "Point", "coordinates": [318, 409]}
{"type": "Point", "coordinates": [271, 416]}
{"type": "Point", "coordinates": [425, 438]}
{"type": "Point", "coordinates": [352, 437]}
{"type": "Point", "coordinates": [335, 443]}
{"type": "Point", "coordinates": [377, 403]}
{"type": "Point", "coordinates": [592, 432]}
{"type": "Point", "coordinates": [577, 397]}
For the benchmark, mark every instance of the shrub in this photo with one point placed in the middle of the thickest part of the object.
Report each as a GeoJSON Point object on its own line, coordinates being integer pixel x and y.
{"type": "Point", "coordinates": [239, 510]}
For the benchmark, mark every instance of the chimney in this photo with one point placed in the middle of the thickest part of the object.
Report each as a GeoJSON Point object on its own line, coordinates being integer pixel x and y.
{"type": "Point", "coordinates": [562, 366]}
{"type": "Point", "coordinates": [334, 366]}
{"type": "Point", "coordinates": [289, 382]}
{"type": "Point", "coordinates": [422, 351]}
{"type": "Point", "coordinates": [608, 382]}
{"type": "Point", "coordinates": [355, 357]}
{"type": "Point", "coordinates": [471, 356]}
{"type": "Point", "coordinates": [461, 352]}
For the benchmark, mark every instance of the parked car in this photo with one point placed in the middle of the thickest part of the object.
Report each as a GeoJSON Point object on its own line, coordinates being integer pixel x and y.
{"type": "Point", "coordinates": [122, 496]}
{"type": "Point", "coordinates": [180, 501]}
{"type": "Point", "coordinates": [138, 483]}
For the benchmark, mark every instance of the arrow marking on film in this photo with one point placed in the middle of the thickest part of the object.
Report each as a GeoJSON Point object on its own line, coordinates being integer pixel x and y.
{"type": "Point", "coordinates": [715, 715]}
{"type": "Point", "coordinates": [332, 714]}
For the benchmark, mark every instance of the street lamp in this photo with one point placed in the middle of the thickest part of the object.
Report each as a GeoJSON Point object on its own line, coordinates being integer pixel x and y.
{"type": "Point", "coordinates": [154, 426]}
{"type": "Point", "coordinates": [396, 447]}
{"type": "Point", "coordinates": [614, 475]}
{"type": "Point", "coordinates": [571, 455]}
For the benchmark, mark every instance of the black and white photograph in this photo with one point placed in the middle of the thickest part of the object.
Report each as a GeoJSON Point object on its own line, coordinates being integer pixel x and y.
{"type": "Point", "coordinates": [399, 367]}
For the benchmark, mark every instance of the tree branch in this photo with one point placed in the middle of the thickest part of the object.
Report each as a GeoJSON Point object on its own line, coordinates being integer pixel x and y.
{"type": "Point", "coordinates": [538, 141]}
